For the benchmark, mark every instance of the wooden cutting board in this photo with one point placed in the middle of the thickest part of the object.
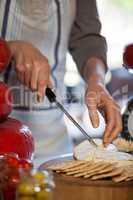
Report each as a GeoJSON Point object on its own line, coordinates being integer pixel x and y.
{"type": "Point", "coordinates": [71, 188]}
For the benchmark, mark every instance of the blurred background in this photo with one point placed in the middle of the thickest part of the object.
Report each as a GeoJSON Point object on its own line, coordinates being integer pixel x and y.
{"type": "Point", "coordinates": [117, 20]}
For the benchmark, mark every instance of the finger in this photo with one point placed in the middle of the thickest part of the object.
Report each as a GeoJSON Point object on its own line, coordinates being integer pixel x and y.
{"type": "Point", "coordinates": [110, 120]}
{"type": "Point", "coordinates": [20, 68]}
{"type": "Point", "coordinates": [118, 127]}
{"type": "Point", "coordinates": [20, 64]}
{"type": "Point", "coordinates": [94, 118]}
{"type": "Point", "coordinates": [27, 74]}
{"type": "Point", "coordinates": [43, 78]}
{"type": "Point", "coordinates": [34, 76]}
{"type": "Point", "coordinates": [43, 81]}
{"type": "Point", "coordinates": [91, 102]}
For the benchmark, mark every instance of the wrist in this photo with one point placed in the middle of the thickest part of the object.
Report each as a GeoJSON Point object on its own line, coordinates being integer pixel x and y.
{"type": "Point", "coordinates": [94, 71]}
{"type": "Point", "coordinates": [95, 79]}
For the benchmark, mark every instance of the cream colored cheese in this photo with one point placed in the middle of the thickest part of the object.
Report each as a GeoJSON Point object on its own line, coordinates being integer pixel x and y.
{"type": "Point", "coordinates": [86, 151]}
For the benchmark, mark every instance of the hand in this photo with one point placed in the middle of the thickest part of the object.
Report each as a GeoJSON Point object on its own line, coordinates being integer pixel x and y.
{"type": "Point", "coordinates": [97, 97]}
{"type": "Point", "coordinates": [32, 67]}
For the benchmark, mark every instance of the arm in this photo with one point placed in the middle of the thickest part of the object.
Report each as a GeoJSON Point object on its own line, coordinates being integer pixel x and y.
{"type": "Point", "coordinates": [85, 39]}
{"type": "Point", "coordinates": [88, 49]}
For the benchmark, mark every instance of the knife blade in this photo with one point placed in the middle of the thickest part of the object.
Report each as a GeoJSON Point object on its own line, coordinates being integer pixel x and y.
{"type": "Point", "coordinates": [52, 98]}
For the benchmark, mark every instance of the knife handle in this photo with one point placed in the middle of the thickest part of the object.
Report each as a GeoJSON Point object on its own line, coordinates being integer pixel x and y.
{"type": "Point", "coordinates": [50, 95]}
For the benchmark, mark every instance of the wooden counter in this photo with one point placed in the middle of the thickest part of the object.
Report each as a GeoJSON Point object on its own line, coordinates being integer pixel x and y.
{"type": "Point", "coordinates": [69, 188]}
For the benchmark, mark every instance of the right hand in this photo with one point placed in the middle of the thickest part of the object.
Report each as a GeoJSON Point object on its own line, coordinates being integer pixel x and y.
{"type": "Point", "coordinates": [32, 67]}
{"type": "Point", "coordinates": [98, 98]}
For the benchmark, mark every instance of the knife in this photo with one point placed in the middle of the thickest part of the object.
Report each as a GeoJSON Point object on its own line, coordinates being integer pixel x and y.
{"type": "Point", "coordinates": [52, 98]}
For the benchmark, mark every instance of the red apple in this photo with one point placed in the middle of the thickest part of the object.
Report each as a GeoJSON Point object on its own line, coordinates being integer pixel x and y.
{"type": "Point", "coordinates": [6, 100]}
{"type": "Point", "coordinates": [5, 54]}
{"type": "Point", "coordinates": [128, 56]}
{"type": "Point", "coordinates": [16, 138]}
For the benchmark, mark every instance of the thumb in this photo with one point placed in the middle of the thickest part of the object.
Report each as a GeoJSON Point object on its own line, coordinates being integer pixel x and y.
{"type": "Point", "coordinates": [91, 103]}
{"type": "Point", "coordinates": [94, 117]}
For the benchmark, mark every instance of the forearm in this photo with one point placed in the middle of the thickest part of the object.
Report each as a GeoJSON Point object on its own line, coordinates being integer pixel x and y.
{"type": "Point", "coordinates": [94, 70]}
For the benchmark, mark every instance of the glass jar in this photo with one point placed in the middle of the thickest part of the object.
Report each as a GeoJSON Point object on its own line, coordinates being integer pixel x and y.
{"type": "Point", "coordinates": [36, 185]}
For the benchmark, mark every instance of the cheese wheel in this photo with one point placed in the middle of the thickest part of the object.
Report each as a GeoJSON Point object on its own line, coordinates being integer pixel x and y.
{"type": "Point", "coordinates": [86, 151]}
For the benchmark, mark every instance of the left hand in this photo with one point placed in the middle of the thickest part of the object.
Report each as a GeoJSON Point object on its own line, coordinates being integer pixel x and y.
{"type": "Point", "coordinates": [98, 98]}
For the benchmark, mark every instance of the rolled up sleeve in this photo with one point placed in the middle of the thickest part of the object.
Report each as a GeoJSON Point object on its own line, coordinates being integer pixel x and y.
{"type": "Point", "coordinates": [85, 39]}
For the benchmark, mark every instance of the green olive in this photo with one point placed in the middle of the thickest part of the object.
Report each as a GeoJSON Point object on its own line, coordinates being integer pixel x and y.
{"type": "Point", "coordinates": [39, 176]}
{"type": "Point", "coordinates": [26, 188]}
{"type": "Point", "coordinates": [44, 195]}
